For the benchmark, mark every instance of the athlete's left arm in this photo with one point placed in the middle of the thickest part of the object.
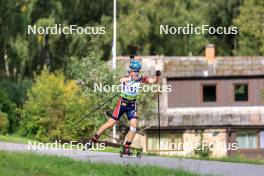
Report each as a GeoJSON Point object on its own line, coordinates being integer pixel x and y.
{"type": "Point", "coordinates": [153, 80]}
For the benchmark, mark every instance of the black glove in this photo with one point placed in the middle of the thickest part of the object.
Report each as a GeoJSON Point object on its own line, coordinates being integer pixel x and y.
{"type": "Point", "coordinates": [158, 73]}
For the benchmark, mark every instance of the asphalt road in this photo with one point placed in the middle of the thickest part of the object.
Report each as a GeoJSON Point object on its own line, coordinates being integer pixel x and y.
{"type": "Point", "coordinates": [195, 166]}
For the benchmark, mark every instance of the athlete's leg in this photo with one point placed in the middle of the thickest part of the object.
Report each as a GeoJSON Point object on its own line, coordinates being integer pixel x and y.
{"type": "Point", "coordinates": [132, 131]}
{"type": "Point", "coordinates": [104, 127]}
{"type": "Point", "coordinates": [132, 117]}
{"type": "Point", "coordinates": [118, 111]}
{"type": "Point", "coordinates": [130, 136]}
{"type": "Point", "coordinates": [109, 124]}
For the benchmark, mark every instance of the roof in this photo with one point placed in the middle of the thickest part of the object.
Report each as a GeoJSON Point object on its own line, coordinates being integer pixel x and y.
{"type": "Point", "coordinates": [222, 66]}
{"type": "Point", "coordinates": [198, 66]}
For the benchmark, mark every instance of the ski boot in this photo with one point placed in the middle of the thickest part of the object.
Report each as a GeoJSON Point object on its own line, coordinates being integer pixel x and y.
{"type": "Point", "coordinates": [126, 152]}
{"type": "Point", "coordinates": [90, 143]}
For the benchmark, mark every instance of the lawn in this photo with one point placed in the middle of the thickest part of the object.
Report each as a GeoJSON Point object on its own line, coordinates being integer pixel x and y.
{"type": "Point", "coordinates": [29, 164]}
{"type": "Point", "coordinates": [14, 139]}
{"type": "Point", "coordinates": [22, 140]}
{"type": "Point", "coordinates": [231, 159]}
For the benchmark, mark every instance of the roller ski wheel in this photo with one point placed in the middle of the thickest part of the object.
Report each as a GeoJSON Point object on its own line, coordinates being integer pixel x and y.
{"type": "Point", "coordinates": [88, 145]}
{"type": "Point", "coordinates": [139, 154]}
{"type": "Point", "coordinates": [127, 153]}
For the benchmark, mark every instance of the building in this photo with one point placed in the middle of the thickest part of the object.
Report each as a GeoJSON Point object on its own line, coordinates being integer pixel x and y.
{"type": "Point", "coordinates": [216, 101]}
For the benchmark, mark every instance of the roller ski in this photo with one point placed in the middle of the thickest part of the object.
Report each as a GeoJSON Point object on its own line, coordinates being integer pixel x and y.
{"type": "Point", "coordinates": [127, 152]}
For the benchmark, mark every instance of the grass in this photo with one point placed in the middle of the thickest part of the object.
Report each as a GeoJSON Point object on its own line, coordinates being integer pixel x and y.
{"type": "Point", "coordinates": [23, 140]}
{"type": "Point", "coordinates": [232, 159]}
{"type": "Point", "coordinates": [238, 159]}
{"type": "Point", "coordinates": [14, 138]}
{"type": "Point", "coordinates": [112, 149]}
{"type": "Point", "coordinates": [29, 164]}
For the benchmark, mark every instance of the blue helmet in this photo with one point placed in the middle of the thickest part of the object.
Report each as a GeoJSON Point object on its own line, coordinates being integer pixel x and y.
{"type": "Point", "coordinates": [135, 65]}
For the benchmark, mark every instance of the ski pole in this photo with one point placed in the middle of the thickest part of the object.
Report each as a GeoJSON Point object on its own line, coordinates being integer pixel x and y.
{"type": "Point", "coordinates": [98, 107]}
{"type": "Point", "coordinates": [95, 109]}
{"type": "Point", "coordinates": [159, 118]}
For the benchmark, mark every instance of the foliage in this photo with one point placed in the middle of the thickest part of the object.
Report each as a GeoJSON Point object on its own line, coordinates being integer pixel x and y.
{"type": "Point", "coordinates": [52, 107]}
{"type": "Point", "coordinates": [14, 138]}
{"type": "Point", "coordinates": [203, 151]}
{"type": "Point", "coordinates": [139, 24]}
{"type": "Point", "coordinates": [25, 54]}
{"type": "Point", "coordinates": [138, 30]}
{"type": "Point", "coordinates": [8, 117]}
{"type": "Point", "coordinates": [33, 164]}
{"type": "Point", "coordinates": [16, 91]}
{"type": "Point", "coordinates": [250, 22]}
{"type": "Point", "coordinates": [3, 123]}
{"type": "Point", "coordinates": [91, 71]}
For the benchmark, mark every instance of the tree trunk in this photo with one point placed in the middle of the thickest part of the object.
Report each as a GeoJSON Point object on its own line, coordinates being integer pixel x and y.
{"type": "Point", "coordinates": [6, 64]}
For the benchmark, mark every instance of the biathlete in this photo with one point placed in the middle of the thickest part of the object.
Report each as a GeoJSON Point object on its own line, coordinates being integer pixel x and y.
{"type": "Point", "coordinates": [127, 104]}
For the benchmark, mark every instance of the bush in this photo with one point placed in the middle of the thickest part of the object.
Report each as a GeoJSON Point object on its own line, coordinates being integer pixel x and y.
{"type": "Point", "coordinates": [8, 113]}
{"type": "Point", "coordinates": [16, 91]}
{"type": "Point", "coordinates": [203, 151]}
{"type": "Point", "coordinates": [52, 107]}
{"type": "Point", "coordinates": [3, 123]}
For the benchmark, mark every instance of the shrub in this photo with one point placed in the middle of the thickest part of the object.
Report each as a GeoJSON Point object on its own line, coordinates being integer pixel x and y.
{"type": "Point", "coordinates": [8, 112]}
{"type": "Point", "coordinates": [3, 123]}
{"type": "Point", "coordinates": [52, 107]}
{"type": "Point", "coordinates": [16, 91]}
{"type": "Point", "coordinates": [203, 151]}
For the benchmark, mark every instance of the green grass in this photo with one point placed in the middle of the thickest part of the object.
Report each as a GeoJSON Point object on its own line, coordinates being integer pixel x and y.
{"type": "Point", "coordinates": [111, 149]}
{"type": "Point", "coordinates": [232, 159]}
{"type": "Point", "coordinates": [23, 140]}
{"type": "Point", "coordinates": [238, 159]}
{"type": "Point", "coordinates": [29, 164]}
{"type": "Point", "coordinates": [14, 138]}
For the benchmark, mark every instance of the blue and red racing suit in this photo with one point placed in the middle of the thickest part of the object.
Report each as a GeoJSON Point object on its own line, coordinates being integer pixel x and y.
{"type": "Point", "coordinates": [127, 101]}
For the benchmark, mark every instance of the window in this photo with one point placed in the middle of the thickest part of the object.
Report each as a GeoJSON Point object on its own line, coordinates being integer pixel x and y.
{"type": "Point", "coordinates": [261, 139]}
{"type": "Point", "coordinates": [241, 92]}
{"type": "Point", "coordinates": [168, 141]}
{"type": "Point", "coordinates": [247, 140]}
{"type": "Point", "coordinates": [209, 93]}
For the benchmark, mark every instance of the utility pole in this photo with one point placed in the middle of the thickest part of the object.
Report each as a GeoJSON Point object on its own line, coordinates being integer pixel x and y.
{"type": "Point", "coordinates": [114, 52]}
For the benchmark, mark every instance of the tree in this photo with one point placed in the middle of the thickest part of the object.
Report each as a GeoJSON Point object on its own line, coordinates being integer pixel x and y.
{"type": "Point", "coordinates": [222, 13]}
{"type": "Point", "coordinates": [139, 27]}
{"type": "Point", "coordinates": [8, 119]}
{"type": "Point", "coordinates": [250, 23]}
{"type": "Point", "coordinates": [53, 107]}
